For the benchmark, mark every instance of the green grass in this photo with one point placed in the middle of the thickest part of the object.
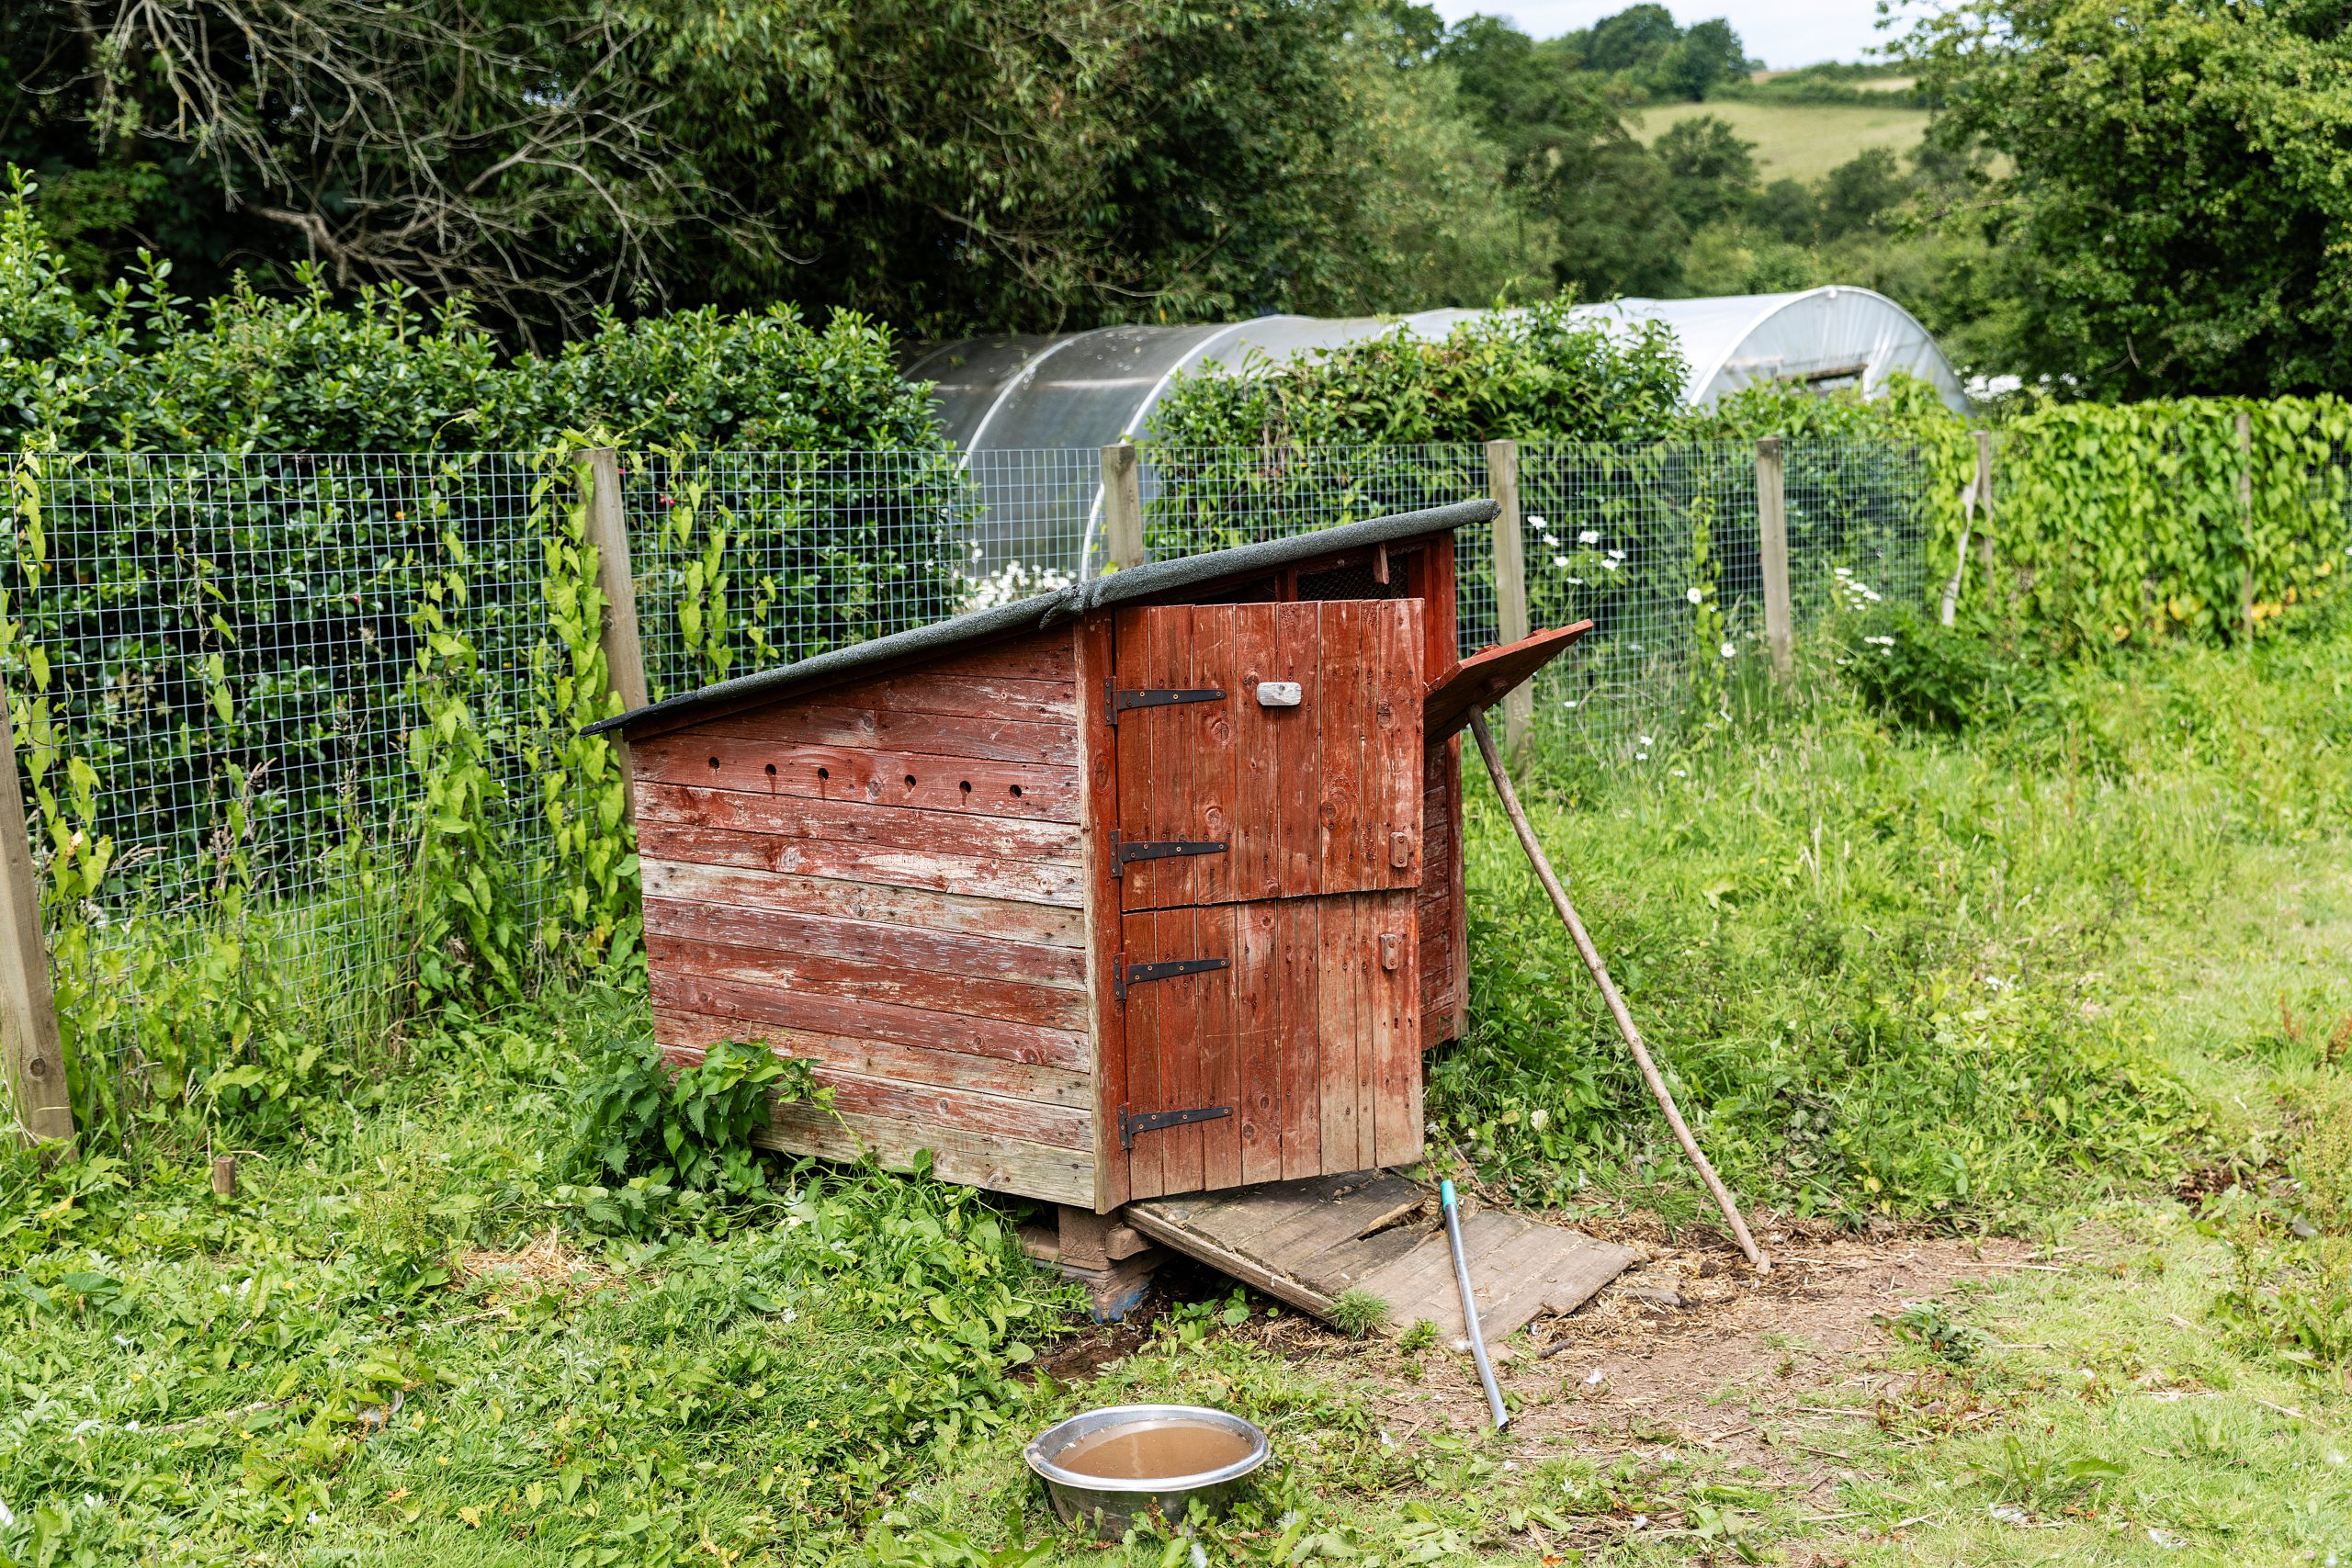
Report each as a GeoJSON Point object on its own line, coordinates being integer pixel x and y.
{"type": "Point", "coordinates": [1874, 961]}
{"type": "Point", "coordinates": [1801, 141]}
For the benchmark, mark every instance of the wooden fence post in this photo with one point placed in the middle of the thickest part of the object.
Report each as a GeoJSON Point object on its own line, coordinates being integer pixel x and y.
{"type": "Point", "coordinates": [1122, 506]}
{"type": "Point", "coordinates": [1510, 581]}
{"type": "Point", "coordinates": [2246, 520]}
{"type": "Point", "coordinates": [36, 1058]}
{"type": "Point", "coordinates": [1772, 556]}
{"type": "Point", "coordinates": [624, 655]}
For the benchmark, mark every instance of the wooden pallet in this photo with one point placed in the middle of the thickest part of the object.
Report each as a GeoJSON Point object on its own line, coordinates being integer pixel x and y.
{"type": "Point", "coordinates": [1309, 1242]}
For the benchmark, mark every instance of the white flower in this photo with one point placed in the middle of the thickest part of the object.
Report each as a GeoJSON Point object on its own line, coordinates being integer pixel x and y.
{"type": "Point", "coordinates": [1647, 741]}
{"type": "Point", "coordinates": [7, 1518]}
{"type": "Point", "coordinates": [1608, 566]}
{"type": "Point", "coordinates": [1567, 702]}
{"type": "Point", "coordinates": [1577, 581]}
{"type": "Point", "coordinates": [1560, 563]}
{"type": "Point", "coordinates": [130, 1426]}
{"type": "Point", "coordinates": [1616, 555]}
{"type": "Point", "coordinates": [1641, 755]}
{"type": "Point", "coordinates": [1678, 773]}
{"type": "Point", "coordinates": [1696, 596]}
{"type": "Point", "coordinates": [1590, 536]}
{"type": "Point", "coordinates": [1729, 651]}
{"type": "Point", "coordinates": [1536, 520]}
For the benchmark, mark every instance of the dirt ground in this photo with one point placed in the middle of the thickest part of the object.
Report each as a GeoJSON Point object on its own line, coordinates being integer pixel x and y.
{"type": "Point", "coordinates": [1688, 1347]}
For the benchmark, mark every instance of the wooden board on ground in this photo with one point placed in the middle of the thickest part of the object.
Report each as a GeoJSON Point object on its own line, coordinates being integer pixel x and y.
{"type": "Point", "coordinates": [1308, 1242]}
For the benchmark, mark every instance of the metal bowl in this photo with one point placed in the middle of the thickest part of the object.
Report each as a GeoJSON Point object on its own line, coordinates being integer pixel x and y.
{"type": "Point", "coordinates": [1109, 1506]}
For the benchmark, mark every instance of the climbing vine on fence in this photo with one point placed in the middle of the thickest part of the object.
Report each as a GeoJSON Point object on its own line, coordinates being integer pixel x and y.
{"type": "Point", "coordinates": [2149, 520]}
{"type": "Point", "coordinates": [590, 874]}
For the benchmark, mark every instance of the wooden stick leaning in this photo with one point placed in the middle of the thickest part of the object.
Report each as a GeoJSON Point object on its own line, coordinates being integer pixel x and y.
{"type": "Point", "coordinates": [1544, 875]}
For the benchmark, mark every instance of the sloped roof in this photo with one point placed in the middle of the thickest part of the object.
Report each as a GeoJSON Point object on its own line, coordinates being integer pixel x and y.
{"type": "Point", "coordinates": [1037, 611]}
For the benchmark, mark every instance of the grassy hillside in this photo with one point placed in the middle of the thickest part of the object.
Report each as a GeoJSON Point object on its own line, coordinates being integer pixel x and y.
{"type": "Point", "coordinates": [1799, 141]}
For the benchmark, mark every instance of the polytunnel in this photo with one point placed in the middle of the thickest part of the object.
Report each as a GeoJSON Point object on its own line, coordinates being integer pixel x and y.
{"type": "Point", "coordinates": [1027, 411]}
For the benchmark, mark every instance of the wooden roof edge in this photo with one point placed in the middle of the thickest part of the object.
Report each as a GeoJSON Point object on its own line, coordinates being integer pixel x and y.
{"type": "Point", "coordinates": [1034, 614]}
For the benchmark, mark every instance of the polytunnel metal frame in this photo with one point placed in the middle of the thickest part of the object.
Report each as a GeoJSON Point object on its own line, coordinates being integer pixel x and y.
{"type": "Point", "coordinates": [1009, 401]}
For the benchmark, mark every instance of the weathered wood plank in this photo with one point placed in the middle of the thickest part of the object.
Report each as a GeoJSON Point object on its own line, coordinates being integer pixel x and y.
{"type": "Point", "coordinates": [818, 974]}
{"type": "Point", "coordinates": [1339, 774]}
{"type": "Point", "coordinates": [1209, 810]}
{"type": "Point", "coordinates": [1254, 870]}
{"type": "Point", "coordinates": [757, 1003]}
{"type": "Point", "coordinates": [1027, 882]}
{"type": "Point", "coordinates": [1338, 984]}
{"type": "Point", "coordinates": [679, 1030]}
{"type": "Point", "coordinates": [1297, 736]}
{"type": "Point", "coordinates": [836, 773]}
{"type": "Point", "coordinates": [1017, 923]}
{"type": "Point", "coordinates": [871, 942]}
{"type": "Point", "coordinates": [1220, 1067]}
{"type": "Point", "coordinates": [964, 696]}
{"type": "Point", "coordinates": [1095, 656]}
{"type": "Point", "coordinates": [974, 1160]}
{"type": "Point", "coordinates": [860, 822]}
{"type": "Point", "coordinates": [1392, 749]}
{"type": "Point", "coordinates": [917, 734]}
{"type": "Point", "coordinates": [1394, 996]}
{"type": "Point", "coordinates": [1299, 1012]}
{"type": "Point", "coordinates": [1258, 1039]}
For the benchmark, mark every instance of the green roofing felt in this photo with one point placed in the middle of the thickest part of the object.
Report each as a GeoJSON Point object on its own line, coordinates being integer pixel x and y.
{"type": "Point", "coordinates": [1043, 610]}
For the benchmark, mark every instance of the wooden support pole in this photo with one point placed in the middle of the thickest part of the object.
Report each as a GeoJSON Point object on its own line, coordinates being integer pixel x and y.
{"type": "Point", "coordinates": [1772, 556]}
{"type": "Point", "coordinates": [1977, 492]}
{"type": "Point", "coordinates": [1511, 581]}
{"type": "Point", "coordinates": [600, 479]}
{"type": "Point", "coordinates": [1591, 956]}
{"type": "Point", "coordinates": [1122, 506]}
{"type": "Point", "coordinates": [29, 1038]}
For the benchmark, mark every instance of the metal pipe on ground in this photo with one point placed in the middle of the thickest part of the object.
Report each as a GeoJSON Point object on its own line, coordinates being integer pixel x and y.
{"type": "Point", "coordinates": [1470, 1306]}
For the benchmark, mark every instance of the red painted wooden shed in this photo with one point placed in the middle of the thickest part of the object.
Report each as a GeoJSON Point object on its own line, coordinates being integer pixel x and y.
{"type": "Point", "coordinates": [1152, 886]}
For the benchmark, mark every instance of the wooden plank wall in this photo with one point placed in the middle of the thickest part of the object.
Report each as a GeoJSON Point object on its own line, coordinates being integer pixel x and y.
{"type": "Point", "coordinates": [886, 878]}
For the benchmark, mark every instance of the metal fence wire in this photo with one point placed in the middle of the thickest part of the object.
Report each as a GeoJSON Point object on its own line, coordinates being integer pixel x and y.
{"type": "Point", "coordinates": [210, 628]}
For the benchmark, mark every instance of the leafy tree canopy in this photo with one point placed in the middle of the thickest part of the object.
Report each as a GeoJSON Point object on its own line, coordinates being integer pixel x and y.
{"type": "Point", "coordinates": [2176, 213]}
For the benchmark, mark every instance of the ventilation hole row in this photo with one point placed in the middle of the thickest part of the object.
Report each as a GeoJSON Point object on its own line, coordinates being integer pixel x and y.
{"type": "Point", "coordinates": [965, 785]}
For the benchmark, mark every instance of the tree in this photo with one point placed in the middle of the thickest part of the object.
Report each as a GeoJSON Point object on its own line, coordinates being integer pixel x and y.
{"type": "Point", "coordinates": [2176, 211]}
{"type": "Point", "coordinates": [953, 165]}
{"type": "Point", "coordinates": [1712, 169]}
{"type": "Point", "coordinates": [1634, 37]}
{"type": "Point", "coordinates": [1573, 165]}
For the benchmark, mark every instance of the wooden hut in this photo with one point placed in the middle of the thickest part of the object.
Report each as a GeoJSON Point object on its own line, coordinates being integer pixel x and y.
{"type": "Point", "coordinates": [1149, 886]}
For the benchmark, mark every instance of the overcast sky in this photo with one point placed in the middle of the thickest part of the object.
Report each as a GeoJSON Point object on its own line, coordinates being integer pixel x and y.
{"type": "Point", "coordinates": [1782, 33]}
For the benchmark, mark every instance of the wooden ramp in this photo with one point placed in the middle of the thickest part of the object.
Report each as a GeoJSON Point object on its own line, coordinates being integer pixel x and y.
{"type": "Point", "coordinates": [1309, 1242]}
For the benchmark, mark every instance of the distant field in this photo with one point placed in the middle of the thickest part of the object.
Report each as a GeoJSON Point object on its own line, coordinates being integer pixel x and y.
{"type": "Point", "coordinates": [1799, 141]}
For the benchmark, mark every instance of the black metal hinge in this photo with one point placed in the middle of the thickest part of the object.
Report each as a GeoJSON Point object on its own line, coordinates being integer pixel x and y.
{"type": "Point", "coordinates": [1124, 974]}
{"type": "Point", "coordinates": [1153, 1121]}
{"type": "Point", "coordinates": [1158, 848]}
{"type": "Point", "coordinates": [1115, 703]}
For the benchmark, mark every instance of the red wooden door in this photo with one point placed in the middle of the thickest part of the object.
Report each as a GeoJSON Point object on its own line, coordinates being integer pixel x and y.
{"type": "Point", "coordinates": [1229, 789]}
{"type": "Point", "coordinates": [1267, 1041]}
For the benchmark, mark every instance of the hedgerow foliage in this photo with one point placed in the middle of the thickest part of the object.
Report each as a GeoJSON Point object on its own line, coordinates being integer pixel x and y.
{"type": "Point", "coordinates": [1521, 374]}
{"type": "Point", "coordinates": [139, 369]}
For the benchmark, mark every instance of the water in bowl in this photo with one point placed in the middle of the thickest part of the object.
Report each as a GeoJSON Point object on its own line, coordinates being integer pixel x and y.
{"type": "Point", "coordinates": [1154, 1450]}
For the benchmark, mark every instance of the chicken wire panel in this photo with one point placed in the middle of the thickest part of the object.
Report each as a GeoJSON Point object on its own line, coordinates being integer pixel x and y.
{"type": "Point", "coordinates": [1657, 545]}
{"type": "Point", "coordinates": [1036, 512]}
{"type": "Point", "coordinates": [1196, 500]}
{"type": "Point", "coordinates": [745, 560]}
{"type": "Point", "coordinates": [1859, 514]}
{"type": "Point", "coordinates": [204, 628]}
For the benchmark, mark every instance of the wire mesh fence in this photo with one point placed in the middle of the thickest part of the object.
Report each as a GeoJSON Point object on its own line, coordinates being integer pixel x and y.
{"type": "Point", "coordinates": [216, 630]}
